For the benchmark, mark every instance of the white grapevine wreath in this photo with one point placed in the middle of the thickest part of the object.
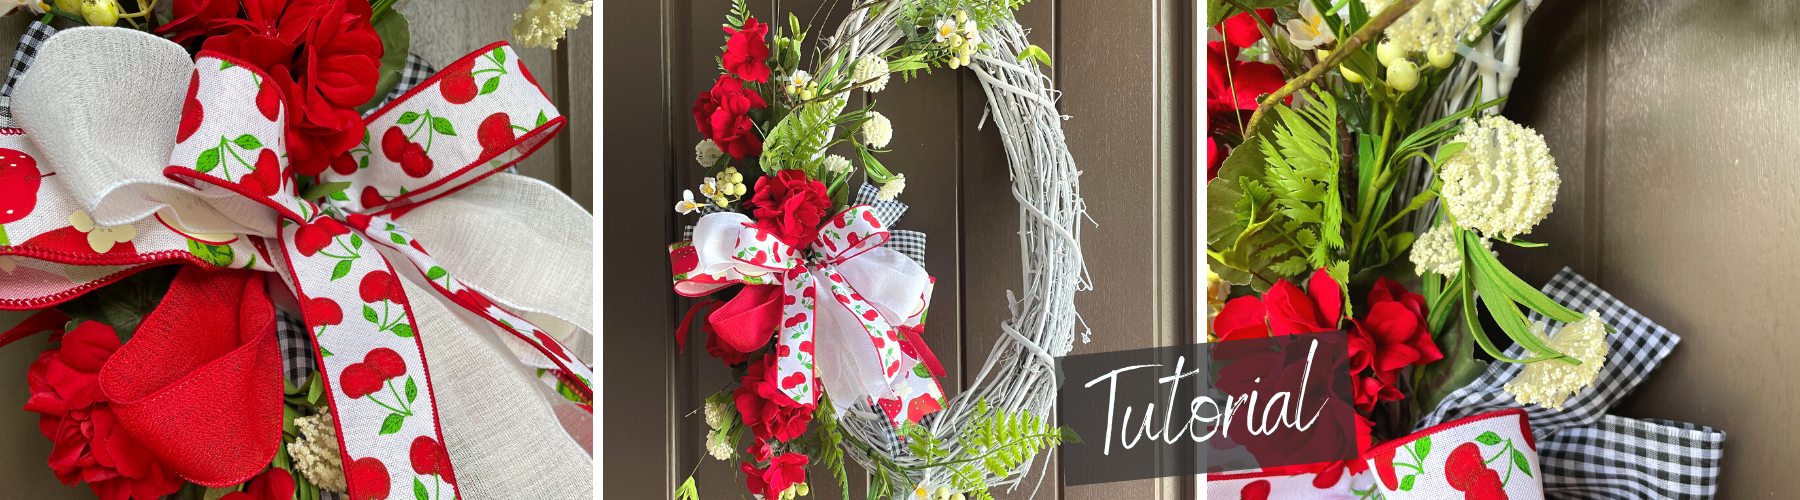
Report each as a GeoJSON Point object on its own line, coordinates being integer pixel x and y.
{"type": "Point", "coordinates": [793, 238]}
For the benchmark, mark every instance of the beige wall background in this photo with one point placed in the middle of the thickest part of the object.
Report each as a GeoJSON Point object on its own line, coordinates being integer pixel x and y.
{"type": "Point", "coordinates": [1674, 125]}
{"type": "Point", "coordinates": [442, 31]}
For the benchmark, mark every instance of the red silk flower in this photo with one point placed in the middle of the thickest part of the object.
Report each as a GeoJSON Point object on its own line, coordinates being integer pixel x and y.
{"type": "Point", "coordinates": [723, 115]}
{"type": "Point", "coordinates": [90, 445]}
{"type": "Point", "coordinates": [323, 55]}
{"type": "Point", "coordinates": [272, 484]}
{"type": "Point", "coordinates": [769, 413]}
{"type": "Point", "coordinates": [747, 53]}
{"type": "Point", "coordinates": [1283, 310]}
{"type": "Point", "coordinates": [1389, 337]}
{"type": "Point", "coordinates": [748, 320]}
{"type": "Point", "coordinates": [791, 206]}
{"type": "Point", "coordinates": [783, 471]}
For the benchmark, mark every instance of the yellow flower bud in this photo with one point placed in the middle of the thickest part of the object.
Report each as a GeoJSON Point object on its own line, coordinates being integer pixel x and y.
{"type": "Point", "coordinates": [1387, 53]}
{"type": "Point", "coordinates": [956, 40]}
{"type": "Point", "coordinates": [958, 496]}
{"type": "Point", "coordinates": [1402, 76]}
{"type": "Point", "coordinates": [1440, 59]}
{"type": "Point", "coordinates": [802, 489]}
{"type": "Point", "coordinates": [1350, 76]}
{"type": "Point", "coordinates": [941, 493]}
{"type": "Point", "coordinates": [962, 17]}
{"type": "Point", "coordinates": [70, 6]}
{"type": "Point", "coordinates": [806, 94]}
{"type": "Point", "coordinates": [736, 178]}
{"type": "Point", "coordinates": [738, 189]}
{"type": "Point", "coordinates": [100, 12]}
{"type": "Point", "coordinates": [789, 88]}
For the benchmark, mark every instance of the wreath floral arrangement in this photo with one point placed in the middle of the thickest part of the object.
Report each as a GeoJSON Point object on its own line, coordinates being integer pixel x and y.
{"type": "Point", "coordinates": [825, 333]}
{"type": "Point", "coordinates": [1356, 146]}
{"type": "Point", "coordinates": [205, 207]}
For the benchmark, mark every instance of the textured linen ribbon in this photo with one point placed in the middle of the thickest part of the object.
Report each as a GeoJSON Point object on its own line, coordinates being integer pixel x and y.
{"type": "Point", "coordinates": [877, 296]}
{"type": "Point", "coordinates": [89, 195]}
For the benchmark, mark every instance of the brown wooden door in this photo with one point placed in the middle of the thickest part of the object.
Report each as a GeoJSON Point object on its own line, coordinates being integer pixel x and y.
{"type": "Point", "coordinates": [1126, 69]}
{"type": "Point", "coordinates": [1673, 125]}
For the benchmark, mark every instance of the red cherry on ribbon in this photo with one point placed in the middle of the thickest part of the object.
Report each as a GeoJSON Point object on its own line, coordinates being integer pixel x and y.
{"type": "Point", "coordinates": [379, 285]}
{"type": "Point", "coordinates": [19, 181]}
{"type": "Point", "coordinates": [191, 113]}
{"type": "Point", "coordinates": [414, 161]}
{"type": "Point", "coordinates": [322, 311]}
{"type": "Point", "coordinates": [393, 142]}
{"type": "Point", "coordinates": [367, 478]}
{"type": "Point", "coordinates": [266, 179]}
{"type": "Point", "coordinates": [457, 83]}
{"type": "Point", "coordinates": [430, 458]}
{"type": "Point", "coordinates": [386, 362]}
{"type": "Point", "coordinates": [495, 134]}
{"type": "Point", "coordinates": [268, 100]}
{"type": "Point", "coordinates": [371, 197]}
{"type": "Point", "coordinates": [359, 379]}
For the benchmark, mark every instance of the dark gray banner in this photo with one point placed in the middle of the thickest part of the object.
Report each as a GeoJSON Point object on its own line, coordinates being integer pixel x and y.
{"type": "Point", "coordinates": [1217, 407]}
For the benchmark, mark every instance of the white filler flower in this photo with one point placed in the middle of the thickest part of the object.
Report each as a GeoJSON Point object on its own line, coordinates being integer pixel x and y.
{"type": "Point", "coordinates": [1436, 252]}
{"type": "Point", "coordinates": [1504, 181]}
{"type": "Point", "coordinates": [1432, 25]}
{"type": "Point", "coordinates": [316, 452]}
{"type": "Point", "coordinates": [878, 130]}
{"type": "Point", "coordinates": [1551, 382]}
{"type": "Point", "coordinates": [837, 164]}
{"type": "Point", "coordinates": [892, 188]}
{"type": "Point", "coordinates": [872, 67]}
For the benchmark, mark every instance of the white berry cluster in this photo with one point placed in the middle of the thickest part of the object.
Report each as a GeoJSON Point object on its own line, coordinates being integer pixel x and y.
{"type": "Point", "coordinates": [1436, 251]}
{"type": "Point", "coordinates": [1551, 382]}
{"type": "Point", "coordinates": [1504, 181]}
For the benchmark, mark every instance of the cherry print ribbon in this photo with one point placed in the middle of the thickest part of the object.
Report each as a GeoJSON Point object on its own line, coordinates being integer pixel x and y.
{"type": "Point", "coordinates": [862, 342]}
{"type": "Point", "coordinates": [225, 198]}
{"type": "Point", "coordinates": [1488, 456]}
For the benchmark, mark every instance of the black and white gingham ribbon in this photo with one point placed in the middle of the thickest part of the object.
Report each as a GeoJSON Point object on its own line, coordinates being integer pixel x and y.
{"type": "Point", "coordinates": [297, 360]}
{"type": "Point", "coordinates": [1585, 452]}
{"type": "Point", "coordinates": [22, 59]}
{"type": "Point", "coordinates": [908, 243]}
{"type": "Point", "coordinates": [1620, 457]}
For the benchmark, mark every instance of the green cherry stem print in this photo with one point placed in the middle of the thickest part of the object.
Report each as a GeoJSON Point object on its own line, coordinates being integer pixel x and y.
{"type": "Point", "coordinates": [380, 286]}
{"type": "Point", "coordinates": [404, 148]}
{"type": "Point", "coordinates": [377, 370]}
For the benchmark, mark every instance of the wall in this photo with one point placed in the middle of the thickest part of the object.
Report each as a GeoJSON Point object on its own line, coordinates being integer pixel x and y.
{"type": "Point", "coordinates": [1673, 125]}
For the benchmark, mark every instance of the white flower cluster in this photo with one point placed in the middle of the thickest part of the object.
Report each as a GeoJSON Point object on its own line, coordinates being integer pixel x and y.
{"type": "Point", "coordinates": [707, 153]}
{"type": "Point", "coordinates": [872, 67]}
{"type": "Point", "coordinates": [1550, 383]}
{"type": "Point", "coordinates": [315, 454]}
{"type": "Point", "coordinates": [878, 130]}
{"type": "Point", "coordinates": [546, 21]}
{"type": "Point", "coordinates": [837, 164]}
{"type": "Point", "coordinates": [1432, 26]}
{"type": "Point", "coordinates": [892, 188]}
{"type": "Point", "coordinates": [1504, 181]}
{"type": "Point", "coordinates": [1436, 251]}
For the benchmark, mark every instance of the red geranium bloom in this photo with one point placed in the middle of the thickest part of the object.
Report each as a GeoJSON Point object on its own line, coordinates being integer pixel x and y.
{"type": "Point", "coordinates": [722, 114]}
{"type": "Point", "coordinates": [1216, 152]}
{"type": "Point", "coordinates": [90, 444]}
{"type": "Point", "coordinates": [791, 206]}
{"type": "Point", "coordinates": [197, 17]}
{"type": "Point", "coordinates": [272, 484]}
{"type": "Point", "coordinates": [1389, 337]}
{"type": "Point", "coordinates": [1233, 87]}
{"type": "Point", "coordinates": [1283, 310]}
{"type": "Point", "coordinates": [324, 56]}
{"type": "Point", "coordinates": [784, 470]}
{"type": "Point", "coordinates": [769, 413]}
{"type": "Point", "coordinates": [1328, 473]}
{"type": "Point", "coordinates": [746, 53]}
{"type": "Point", "coordinates": [1241, 31]}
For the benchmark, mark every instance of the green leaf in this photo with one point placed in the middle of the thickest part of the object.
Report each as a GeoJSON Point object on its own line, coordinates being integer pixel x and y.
{"type": "Point", "coordinates": [403, 330]}
{"type": "Point", "coordinates": [419, 492]}
{"type": "Point", "coordinates": [1523, 244]}
{"type": "Point", "coordinates": [370, 314]}
{"type": "Point", "coordinates": [341, 270]}
{"type": "Point", "coordinates": [1406, 483]}
{"type": "Point", "coordinates": [687, 490]}
{"type": "Point", "coordinates": [209, 160]}
{"type": "Point", "coordinates": [224, 65]}
{"type": "Point", "coordinates": [442, 125]}
{"type": "Point", "coordinates": [1516, 289]}
{"type": "Point", "coordinates": [315, 389]}
{"type": "Point", "coordinates": [396, 40]}
{"type": "Point", "coordinates": [355, 241]}
{"type": "Point", "coordinates": [322, 190]}
{"type": "Point", "coordinates": [1447, 151]}
{"type": "Point", "coordinates": [392, 424]}
{"type": "Point", "coordinates": [247, 141]}
{"type": "Point", "coordinates": [408, 118]}
{"type": "Point", "coordinates": [1035, 53]}
{"type": "Point", "coordinates": [397, 239]}
{"type": "Point", "coordinates": [489, 87]}
{"type": "Point", "coordinates": [542, 118]}
{"type": "Point", "coordinates": [500, 55]}
{"type": "Point", "coordinates": [1488, 438]}
{"type": "Point", "coordinates": [1520, 462]}
{"type": "Point", "coordinates": [434, 273]}
{"type": "Point", "coordinates": [412, 390]}
{"type": "Point", "coordinates": [324, 353]}
{"type": "Point", "coordinates": [1422, 447]}
{"type": "Point", "coordinates": [218, 255]}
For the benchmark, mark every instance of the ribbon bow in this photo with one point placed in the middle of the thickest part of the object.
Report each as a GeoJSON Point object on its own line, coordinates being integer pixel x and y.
{"type": "Point", "coordinates": [866, 337]}
{"type": "Point", "coordinates": [86, 205]}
